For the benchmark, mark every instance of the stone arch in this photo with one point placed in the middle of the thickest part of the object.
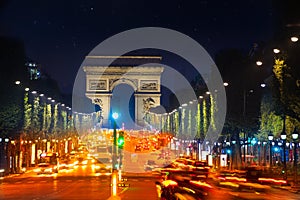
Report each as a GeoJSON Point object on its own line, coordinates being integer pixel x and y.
{"type": "Point", "coordinates": [145, 81]}
{"type": "Point", "coordinates": [123, 81]}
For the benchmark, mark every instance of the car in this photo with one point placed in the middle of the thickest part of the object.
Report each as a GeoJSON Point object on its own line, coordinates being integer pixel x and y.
{"type": "Point", "coordinates": [173, 190]}
{"type": "Point", "coordinates": [181, 163]}
{"type": "Point", "coordinates": [102, 164]}
{"type": "Point", "coordinates": [138, 148]}
{"type": "Point", "coordinates": [165, 170]}
{"type": "Point", "coordinates": [150, 165]}
{"type": "Point", "coordinates": [146, 147]}
{"type": "Point", "coordinates": [46, 168]}
{"type": "Point", "coordinates": [198, 167]}
{"type": "Point", "coordinates": [166, 189]}
{"type": "Point", "coordinates": [198, 189]}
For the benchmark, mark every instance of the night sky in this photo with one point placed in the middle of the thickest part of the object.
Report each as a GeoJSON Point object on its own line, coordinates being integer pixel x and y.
{"type": "Point", "coordinates": [59, 34]}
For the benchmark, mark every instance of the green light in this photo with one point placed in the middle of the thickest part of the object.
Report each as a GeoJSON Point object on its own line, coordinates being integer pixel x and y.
{"type": "Point", "coordinates": [120, 141]}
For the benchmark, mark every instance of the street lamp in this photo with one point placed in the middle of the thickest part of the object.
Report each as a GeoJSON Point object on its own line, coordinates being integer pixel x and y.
{"type": "Point", "coordinates": [294, 39]}
{"type": "Point", "coordinates": [270, 138]}
{"type": "Point", "coordinates": [283, 137]}
{"type": "Point", "coordinates": [295, 136]}
{"type": "Point", "coordinates": [115, 117]}
{"type": "Point", "coordinates": [259, 63]}
{"type": "Point", "coordinates": [275, 50]}
{"type": "Point", "coordinates": [233, 142]}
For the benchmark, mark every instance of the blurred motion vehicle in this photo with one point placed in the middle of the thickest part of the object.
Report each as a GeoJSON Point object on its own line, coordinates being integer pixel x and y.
{"type": "Point", "coordinates": [46, 168]}
{"type": "Point", "coordinates": [103, 164]}
{"type": "Point", "coordinates": [166, 189]}
{"type": "Point", "coordinates": [181, 163]}
{"type": "Point", "coordinates": [64, 162]}
{"type": "Point", "coordinates": [172, 190]}
{"type": "Point", "coordinates": [197, 188]}
{"type": "Point", "coordinates": [47, 164]}
{"type": "Point", "coordinates": [198, 167]}
{"type": "Point", "coordinates": [150, 165]}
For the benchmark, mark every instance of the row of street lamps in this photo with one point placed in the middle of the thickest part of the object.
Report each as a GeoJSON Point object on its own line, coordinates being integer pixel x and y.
{"type": "Point", "coordinates": [283, 136]}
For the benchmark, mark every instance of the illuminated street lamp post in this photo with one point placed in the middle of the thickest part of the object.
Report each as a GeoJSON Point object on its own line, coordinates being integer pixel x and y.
{"type": "Point", "coordinates": [233, 142]}
{"type": "Point", "coordinates": [283, 137]}
{"type": "Point", "coordinates": [270, 138]}
{"type": "Point", "coordinates": [295, 136]}
{"type": "Point", "coordinates": [114, 174]}
{"type": "Point", "coordinates": [115, 117]}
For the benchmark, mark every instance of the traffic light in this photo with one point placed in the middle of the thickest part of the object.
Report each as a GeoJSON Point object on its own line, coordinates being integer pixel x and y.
{"type": "Point", "coordinates": [121, 140]}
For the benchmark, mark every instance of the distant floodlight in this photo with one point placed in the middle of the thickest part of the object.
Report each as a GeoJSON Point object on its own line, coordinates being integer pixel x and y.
{"type": "Point", "coordinates": [276, 50]}
{"type": "Point", "coordinates": [207, 92]}
{"type": "Point", "coordinates": [41, 95]}
{"type": "Point", "coordinates": [33, 92]}
{"type": "Point", "coordinates": [27, 89]}
{"type": "Point", "coordinates": [62, 104]}
{"type": "Point", "coordinates": [259, 63]}
{"type": "Point", "coordinates": [18, 82]}
{"type": "Point", "coordinates": [201, 97]}
{"type": "Point", "coordinates": [263, 85]}
{"type": "Point", "coordinates": [225, 84]}
{"type": "Point", "coordinates": [49, 98]}
{"type": "Point", "coordinates": [52, 100]}
{"type": "Point", "coordinates": [294, 39]}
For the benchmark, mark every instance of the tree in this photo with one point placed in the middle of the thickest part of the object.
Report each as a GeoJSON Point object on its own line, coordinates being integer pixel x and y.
{"type": "Point", "coordinates": [12, 56]}
{"type": "Point", "coordinates": [283, 102]}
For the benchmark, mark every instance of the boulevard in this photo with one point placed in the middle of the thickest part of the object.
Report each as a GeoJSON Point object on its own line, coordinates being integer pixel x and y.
{"type": "Point", "coordinates": [83, 183]}
{"type": "Point", "coordinates": [80, 183]}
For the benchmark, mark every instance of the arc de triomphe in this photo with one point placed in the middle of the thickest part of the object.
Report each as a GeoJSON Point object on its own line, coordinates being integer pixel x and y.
{"type": "Point", "coordinates": [145, 81]}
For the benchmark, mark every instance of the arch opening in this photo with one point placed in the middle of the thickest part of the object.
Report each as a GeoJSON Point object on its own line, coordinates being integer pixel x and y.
{"type": "Point", "coordinates": [123, 102]}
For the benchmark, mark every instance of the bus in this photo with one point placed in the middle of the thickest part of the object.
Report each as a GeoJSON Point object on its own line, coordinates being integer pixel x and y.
{"type": "Point", "coordinates": [48, 163]}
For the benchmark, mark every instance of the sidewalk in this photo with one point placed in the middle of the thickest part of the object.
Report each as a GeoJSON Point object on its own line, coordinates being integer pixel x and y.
{"type": "Point", "coordinates": [10, 175]}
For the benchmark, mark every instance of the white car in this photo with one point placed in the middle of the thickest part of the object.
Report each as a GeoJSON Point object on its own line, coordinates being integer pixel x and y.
{"type": "Point", "coordinates": [46, 168]}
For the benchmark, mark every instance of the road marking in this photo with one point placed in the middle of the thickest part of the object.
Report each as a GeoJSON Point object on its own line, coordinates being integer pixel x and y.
{"type": "Point", "coordinates": [124, 190]}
